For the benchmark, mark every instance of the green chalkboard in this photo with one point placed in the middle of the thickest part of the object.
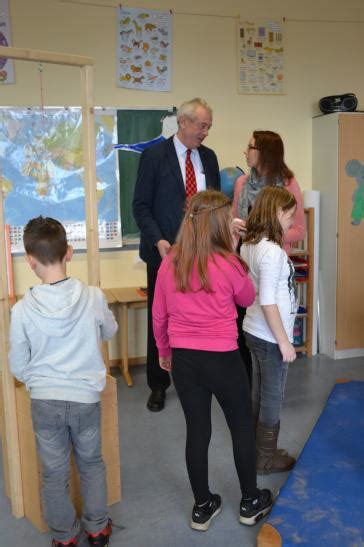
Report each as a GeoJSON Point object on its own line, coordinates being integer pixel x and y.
{"type": "Point", "coordinates": [134, 126]}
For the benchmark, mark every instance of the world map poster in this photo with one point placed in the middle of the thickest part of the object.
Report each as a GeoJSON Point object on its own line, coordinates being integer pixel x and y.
{"type": "Point", "coordinates": [42, 173]}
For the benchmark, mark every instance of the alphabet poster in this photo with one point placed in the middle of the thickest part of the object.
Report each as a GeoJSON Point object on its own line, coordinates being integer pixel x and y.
{"type": "Point", "coordinates": [144, 49]}
{"type": "Point", "coordinates": [261, 57]}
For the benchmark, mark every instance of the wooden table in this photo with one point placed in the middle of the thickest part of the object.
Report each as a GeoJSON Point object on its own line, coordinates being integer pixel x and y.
{"type": "Point", "coordinates": [126, 298]}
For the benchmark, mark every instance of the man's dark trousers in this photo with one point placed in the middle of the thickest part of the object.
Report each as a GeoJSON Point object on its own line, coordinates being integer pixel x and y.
{"type": "Point", "coordinates": [158, 379]}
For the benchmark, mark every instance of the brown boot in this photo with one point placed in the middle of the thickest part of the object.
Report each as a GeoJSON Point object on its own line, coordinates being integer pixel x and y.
{"type": "Point", "coordinates": [269, 458]}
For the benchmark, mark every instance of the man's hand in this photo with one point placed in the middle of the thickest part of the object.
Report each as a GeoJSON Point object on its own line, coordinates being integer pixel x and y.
{"type": "Point", "coordinates": [165, 363]}
{"type": "Point", "coordinates": [288, 352]}
{"type": "Point", "coordinates": [163, 247]}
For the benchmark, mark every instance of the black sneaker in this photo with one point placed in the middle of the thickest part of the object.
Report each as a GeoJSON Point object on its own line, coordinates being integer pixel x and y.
{"type": "Point", "coordinates": [101, 538]}
{"type": "Point", "coordinates": [202, 516]}
{"type": "Point", "coordinates": [254, 509]}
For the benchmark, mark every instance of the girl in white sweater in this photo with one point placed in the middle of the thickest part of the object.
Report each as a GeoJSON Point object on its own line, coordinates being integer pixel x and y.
{"type": "Point", "coordinates": [268, 324]}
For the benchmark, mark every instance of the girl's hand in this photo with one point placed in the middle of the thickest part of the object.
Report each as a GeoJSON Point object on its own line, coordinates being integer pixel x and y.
{"type": "Point", "coordinates": [238, 227]}
{"type": "Point", "coordinates": [288, 352]}
{"type": "Point", "coordinates": [165, 363]}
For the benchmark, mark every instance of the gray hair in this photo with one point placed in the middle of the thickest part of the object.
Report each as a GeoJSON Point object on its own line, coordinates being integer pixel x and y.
{"type": "Point", "coordinates": [188, 108]}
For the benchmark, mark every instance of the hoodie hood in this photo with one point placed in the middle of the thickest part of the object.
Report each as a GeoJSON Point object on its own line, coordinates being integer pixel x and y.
{"type": "Point", "coordinates": [62, 302]}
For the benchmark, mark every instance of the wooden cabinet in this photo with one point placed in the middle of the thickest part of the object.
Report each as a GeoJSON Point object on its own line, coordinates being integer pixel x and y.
{"type": "Point", "coordinates": [302, 257]}
{"type": "Point", "coordinates": [338, 173]}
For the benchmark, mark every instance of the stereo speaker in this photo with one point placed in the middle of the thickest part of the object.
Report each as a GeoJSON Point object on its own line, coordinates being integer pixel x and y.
{"type": "Point", "coordinates": [338, 103]}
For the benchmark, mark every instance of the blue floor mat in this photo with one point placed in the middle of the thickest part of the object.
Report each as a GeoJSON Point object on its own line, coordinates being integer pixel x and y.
{"type": "Point", "coordinates": [322, 502]}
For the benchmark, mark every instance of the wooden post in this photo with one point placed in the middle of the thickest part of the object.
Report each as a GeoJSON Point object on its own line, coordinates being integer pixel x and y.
{"type": "Point", "coordinates": [10, 432]}
{"type": "Point", "coordinates": [89, 161]}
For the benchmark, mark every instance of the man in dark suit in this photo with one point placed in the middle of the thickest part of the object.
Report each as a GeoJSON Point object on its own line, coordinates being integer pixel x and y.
{"type": "Point", "coordinates": [158, 207]}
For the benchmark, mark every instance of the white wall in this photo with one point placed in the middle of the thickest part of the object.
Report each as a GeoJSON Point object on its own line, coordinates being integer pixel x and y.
{"type": "Point", "coordinates": [322, 58]}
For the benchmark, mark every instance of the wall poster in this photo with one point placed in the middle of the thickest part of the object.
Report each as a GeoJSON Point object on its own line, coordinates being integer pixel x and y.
{"type": "Point", "coordinates": [261, 57]}
{"type": "Point", "coordinates": [42, 172]}
{"type": "Point", "coordinates": [144, 49]}
{"type": "Point", "coordinates": [6, 65]}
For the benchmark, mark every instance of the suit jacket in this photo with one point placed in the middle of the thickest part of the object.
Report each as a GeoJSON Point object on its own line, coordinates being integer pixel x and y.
{"type": "Point", "coordinates": [160, 195]}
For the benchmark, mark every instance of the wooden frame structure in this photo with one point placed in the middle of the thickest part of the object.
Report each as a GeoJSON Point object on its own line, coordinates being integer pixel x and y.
{"type": "Point", "coordinates": [11, 426]}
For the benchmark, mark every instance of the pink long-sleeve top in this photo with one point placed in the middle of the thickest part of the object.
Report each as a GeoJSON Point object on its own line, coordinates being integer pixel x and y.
{"type": "Point", "coordinates": [198, 319]}
{"type": "Point", "coordinates": [297, 232]}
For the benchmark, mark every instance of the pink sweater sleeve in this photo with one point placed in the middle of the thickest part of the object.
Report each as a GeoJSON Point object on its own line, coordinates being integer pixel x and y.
{"type": "Point", "coordinates": [160, 314]}
{"type": "Point", "coordinates": [239, 183]}
{"type": "Point", "coordinates": [243, 286]}
{"type": "Point", "coordinates": [297, 232]}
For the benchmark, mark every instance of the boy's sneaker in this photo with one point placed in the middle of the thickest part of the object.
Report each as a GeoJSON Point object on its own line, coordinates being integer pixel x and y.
{"type": "Point", "coordinates": [101, 538]}
{"type": "Point", "coordinates": [203, 515]}
{"type": "Point", "coordinates": [254, 509]}
{"type": "Point", "coordinates": [69, 543]}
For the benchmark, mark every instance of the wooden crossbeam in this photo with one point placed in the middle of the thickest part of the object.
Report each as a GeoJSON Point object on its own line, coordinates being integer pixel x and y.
{"type": "Point", "coordinates": [39, 56]}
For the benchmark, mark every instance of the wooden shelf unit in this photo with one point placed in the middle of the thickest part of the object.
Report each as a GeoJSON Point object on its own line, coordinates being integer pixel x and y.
{"type": "Point", "coordinates": [305, 249]}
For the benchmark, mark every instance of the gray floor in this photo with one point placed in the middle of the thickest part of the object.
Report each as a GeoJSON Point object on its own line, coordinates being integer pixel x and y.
{"type": "Point", "coordinates": [156, 496]}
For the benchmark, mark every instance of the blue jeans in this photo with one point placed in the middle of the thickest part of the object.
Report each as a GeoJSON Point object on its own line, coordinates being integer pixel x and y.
{"type": "Point", "coordinates": [268, 379]}
{"type": "Point", "coordinates": [58, 425]}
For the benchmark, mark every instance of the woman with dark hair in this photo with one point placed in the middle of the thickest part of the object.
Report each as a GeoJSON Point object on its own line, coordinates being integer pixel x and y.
{"type": "Point", "coordinates": [265, 158]}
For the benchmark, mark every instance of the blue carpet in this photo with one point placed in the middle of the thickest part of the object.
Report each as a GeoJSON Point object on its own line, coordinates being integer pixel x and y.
{"type": "Point", "coordinates": [322, 502]}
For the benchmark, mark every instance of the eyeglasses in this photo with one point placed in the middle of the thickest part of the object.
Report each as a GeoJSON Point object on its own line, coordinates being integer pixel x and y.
{"type": "Point", "coordinates": [201, 125]}
{"type": "Point", "coordinates": [251, 147]}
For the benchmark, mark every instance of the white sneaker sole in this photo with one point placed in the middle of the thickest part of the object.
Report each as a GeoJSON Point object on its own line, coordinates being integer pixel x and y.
{"type": "Point", "coordinates": [251, 521]}
{"type": "Point", "coordinates": [205, 526]}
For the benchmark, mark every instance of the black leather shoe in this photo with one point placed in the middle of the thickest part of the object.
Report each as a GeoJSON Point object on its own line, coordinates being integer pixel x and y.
{"type": "Point", "coordinates": [156, 400]}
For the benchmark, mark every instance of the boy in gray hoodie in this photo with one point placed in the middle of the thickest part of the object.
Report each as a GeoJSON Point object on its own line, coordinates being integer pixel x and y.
{"type": "Point", "coordinates": [55, 334]}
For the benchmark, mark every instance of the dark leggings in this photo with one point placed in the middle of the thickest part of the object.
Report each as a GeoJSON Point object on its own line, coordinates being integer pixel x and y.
{"type": "Point", "coordinates": [197, 376]}
{"type": "Point", "coordinates": [243, 348]}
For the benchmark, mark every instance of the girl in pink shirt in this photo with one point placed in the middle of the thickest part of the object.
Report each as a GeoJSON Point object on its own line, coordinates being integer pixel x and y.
{"type": "Point", "coordinates": [194, 319]}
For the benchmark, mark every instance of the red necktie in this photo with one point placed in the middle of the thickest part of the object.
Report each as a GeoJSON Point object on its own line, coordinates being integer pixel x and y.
{"type": "Point", "coordinates": [191, 185]}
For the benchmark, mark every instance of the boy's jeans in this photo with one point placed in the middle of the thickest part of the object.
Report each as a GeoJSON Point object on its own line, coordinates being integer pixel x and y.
{"type": "Point", "coordinates": [268, 379]}
{"type": "Point", "coordinates": [58, 425]}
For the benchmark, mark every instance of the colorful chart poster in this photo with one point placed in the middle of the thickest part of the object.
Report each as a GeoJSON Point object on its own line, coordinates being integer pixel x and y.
{"type": "Point", "coordinates": [6, 65]}
{"type": "Point", "coordinates": [144, 49]}
{"type": "Point", "coordinates": [261, 57]}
